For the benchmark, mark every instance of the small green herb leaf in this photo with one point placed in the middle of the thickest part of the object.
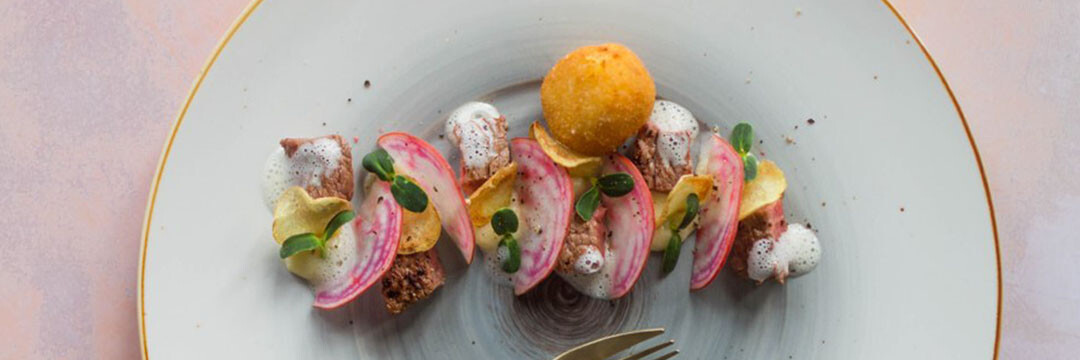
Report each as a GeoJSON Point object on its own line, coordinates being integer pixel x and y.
{"type": "Point", "coordinates": [380, 163]}
{"type": "Point", "coordinates": [616, 185]}
{"type": "Point", "coordinates": [300, 243]}
{"type": "Point", "coordinates": [671, 252]}
{"type": "Point", "coordinates": [742, 137]}
{"type": "Point", "coordinates": [504, 222]}
{"type": "Point", "coordinates": [409, 195]}
{"type": "Point", "coordinates": [341, 218]}
{"type": "Point", "coordinates": [692, 206]}
{"type": "Point", "coordinates": [513, 260]}
{"type": "Point", "coordinates": [749, 166]}
{"type": "Point", "coordinates": [587, 203]}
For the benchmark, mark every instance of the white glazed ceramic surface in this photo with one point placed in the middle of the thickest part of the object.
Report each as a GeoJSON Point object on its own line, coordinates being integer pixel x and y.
{"type": "Point", "coordinates": [886, 173]}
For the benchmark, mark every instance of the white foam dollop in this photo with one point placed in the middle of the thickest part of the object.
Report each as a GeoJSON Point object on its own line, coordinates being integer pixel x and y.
{"type": "Point", "coordinates": [678, 129]}
{"type": "Point", "coordinates": [796, 252]}
{"type": "Point", "coordinates": [597, 284]}
{"type": "Point", "coordinates": [306, 167]}
{"type": "Point", "coordinates": [342, 255]}
{"type": "Point", "coordinates": [475, 135]}
{"type": "Point", "coordinates": [589, 262]}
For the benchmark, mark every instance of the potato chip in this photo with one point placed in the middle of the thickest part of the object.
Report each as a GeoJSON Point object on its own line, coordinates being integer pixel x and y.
{"type": "Point", "coordinates": [766, 188]}
{"type": "Point", "coordinates": [575, 163]}
{"type": "Point", "coordinates": [419, 231]}
{"type": "Point", "coordinates": [493, 195]}
{"type": "Point", "coordinates": [673, 205]}
{"type": "Point", "coordinates": [297, 213]}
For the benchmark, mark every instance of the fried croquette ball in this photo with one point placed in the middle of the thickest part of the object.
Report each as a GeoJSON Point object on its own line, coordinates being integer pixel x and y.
{"type": "Point", "coordinates": [596, 97]}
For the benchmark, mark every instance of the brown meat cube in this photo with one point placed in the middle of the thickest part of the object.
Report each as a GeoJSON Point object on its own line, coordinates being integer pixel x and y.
{"type": "Point", "coordinates": [411, 278]}
{"type": "Point", "coordinates": [473, 177]}
{"type": "Point", "coordinates": [583, 236]}
{"type": "Point", "coordinates": [659, 174]}
{"type": "Point", "coordinates": [767, 222]}
{"type": "Point", "coordinates": [338, 183]}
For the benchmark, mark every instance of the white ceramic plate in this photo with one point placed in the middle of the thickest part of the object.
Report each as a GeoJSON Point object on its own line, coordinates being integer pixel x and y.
{"type": "Point", "coordinates": [887, 173]}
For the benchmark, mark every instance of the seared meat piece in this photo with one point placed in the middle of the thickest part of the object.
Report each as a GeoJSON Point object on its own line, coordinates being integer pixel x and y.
{"type": "Point", "coordinates": [662, 148]}
{"type": "Point", "coordinates": [479, 131]}
{"type": "Point", "coordinates": [329, 154]}
{"type": "Point", "coordinates": [766, 223]}
{"type": "Point", "coordinates": [411, 278]}
{"type": "Point", "coordinates": [583, 250]}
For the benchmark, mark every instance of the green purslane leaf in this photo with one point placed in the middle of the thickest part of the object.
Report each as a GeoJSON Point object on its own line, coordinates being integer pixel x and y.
{"type": "Point", "coordinates": [671, 252]}
{"type": "Point", "coordinates": [749, 166]}
{"type": "Point", "coordinates": [742, 137]}
{"type": "Point", "coordinates": [587, 203]}
{"type": "Point", "coordinates": [504, 222]}
{"type": "Point", "coordinates": [513, 261]}
{"type": "Point", "coordinates": [616, 184]}
{"type": "Point", "coordinates": [340, 219]}
{"type": "Point", "coordinates": [300, 243]}
{"type": "Point", "coordinates": [409, 195]}
{"type": "Point", "coordinates": [692, 207]}
{"type": "Point", "coordinates": [380, 163]}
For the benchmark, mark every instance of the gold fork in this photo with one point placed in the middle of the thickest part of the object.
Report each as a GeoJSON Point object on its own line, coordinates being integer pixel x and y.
{"type": "Point", "coordinates": [608, 346]}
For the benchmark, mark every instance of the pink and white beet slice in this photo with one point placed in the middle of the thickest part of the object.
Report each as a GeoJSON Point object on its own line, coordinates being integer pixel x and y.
{"type": "Point", "coordinates": [631, 223]}
{"type": "Point", "coordinates": [719, 215]}
{"type": "Point", "coordinates": [417, 159]}
{"type": "Point", "coordinates": [374, 233]}
{"type": "Point", "coordinates": [545, 199]}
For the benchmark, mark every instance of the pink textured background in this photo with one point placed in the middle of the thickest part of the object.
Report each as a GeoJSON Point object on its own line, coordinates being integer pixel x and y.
{"type": "Point", "coordinates": [89, 91]}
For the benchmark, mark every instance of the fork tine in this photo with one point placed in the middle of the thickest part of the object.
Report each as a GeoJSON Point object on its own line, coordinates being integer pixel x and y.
{"type": "Point", "coordinates": [648, 351]}
{"type": "Point", "coordinates": [668, 355]}
{"type": "Point", "coordinates": [608, 346]}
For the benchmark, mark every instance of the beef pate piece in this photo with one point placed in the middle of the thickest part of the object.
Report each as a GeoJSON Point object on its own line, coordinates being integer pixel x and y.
{"type": "Point", "coordinates": [411, 278]}
{"type": "Point", "coordinates": [585, 238]}
{"type": "Point", "coordinates": [766, 223]}
{"type": "Point", "coordinates": [339, 181]}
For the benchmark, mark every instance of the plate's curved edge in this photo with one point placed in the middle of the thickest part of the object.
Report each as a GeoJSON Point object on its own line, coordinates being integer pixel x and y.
{"type": "Point", "coordinates": [141, 312]}
{"type": "Point", "coordinates": [978, 161]}
{"type": "Point", "coordinates": [255, 3]}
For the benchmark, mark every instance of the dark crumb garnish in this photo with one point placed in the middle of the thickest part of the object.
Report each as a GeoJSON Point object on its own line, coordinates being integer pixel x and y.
{"type": "Point", "coordinates": [810, 121]}
{"type": "Point", "coordinates": [323, 124]}
{"type": "Point", "coordinates": [367, 83]}
{"type": "Point", "coordinates": [901, 209]}
{"type": "Point", "coordinates": [348, 100]}
{"type": "Point", "coordinates": [822, 204]}
{"type": "Point", "coordinates": [441, 136]}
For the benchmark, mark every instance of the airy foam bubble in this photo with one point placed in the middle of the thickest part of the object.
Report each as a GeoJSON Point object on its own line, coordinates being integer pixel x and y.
{"type": "Point", "coordinates": [306, 167]}
{"type": "Point", "coordinates": [678, 129]}
{"type": "Point", "coordinates": [796, 252]}
{"type": "Point", "coordinates": [597, 284]}
{"type": "Point", "coordinates": [589, 262]}
{"type": "Point", "coordinates": [475, 122]}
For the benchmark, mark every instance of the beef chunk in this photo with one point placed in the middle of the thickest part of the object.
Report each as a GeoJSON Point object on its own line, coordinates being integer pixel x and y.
{"type": "Point", "coordinates": [660, 174]}
{"type": "Point", "coordinates": [339, 182]}
{"type": "Point", "coordinates": [767, 222]}
{"type": "Point", "coordinates": [474, 176]}
{"type": "Point", "coordinates": [411, 278]}
{"type": "Point", "coordinates": [583, 237]}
